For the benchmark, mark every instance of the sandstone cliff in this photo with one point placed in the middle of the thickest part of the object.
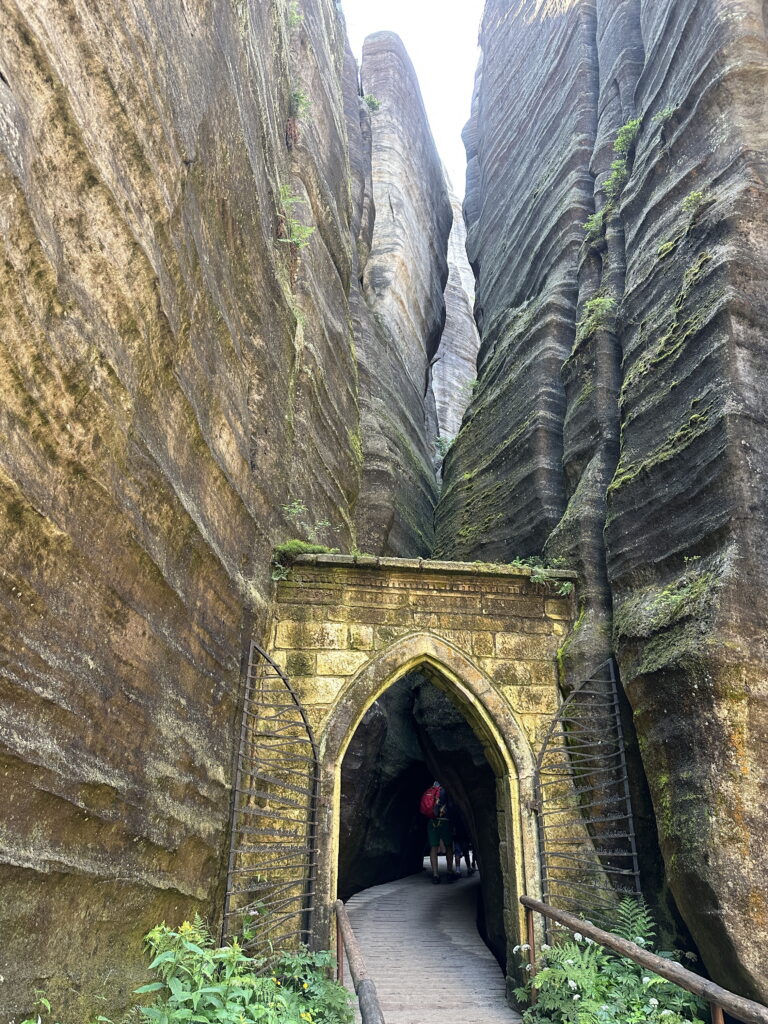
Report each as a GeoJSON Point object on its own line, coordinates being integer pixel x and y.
{"type": "Point", "coordinates": [617, 421]}
{"type": "Point", "coordinates": [186, 206]}
{"type": "Point", "coordinates": [403, 281]}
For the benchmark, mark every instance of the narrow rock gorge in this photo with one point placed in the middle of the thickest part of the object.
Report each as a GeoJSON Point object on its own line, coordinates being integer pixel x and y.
{"type": "Point", "coordinates": [237, 311]}
{"type": "Point", "coordinates": [616, 225]}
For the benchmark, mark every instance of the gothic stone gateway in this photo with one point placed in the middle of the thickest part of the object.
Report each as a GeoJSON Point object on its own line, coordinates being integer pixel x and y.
{"type": "Point", "coordinates": [345, 628]}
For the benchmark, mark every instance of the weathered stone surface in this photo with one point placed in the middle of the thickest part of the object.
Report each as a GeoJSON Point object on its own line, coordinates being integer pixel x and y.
{"type": "Point", "coordinates": [454, 367]}
{"type": "Point", "coordinates": [403, 281]}
{"type": "Point", "coordinates": [177, 366]}
{"type": "Point", "coordinates": [641, 416]}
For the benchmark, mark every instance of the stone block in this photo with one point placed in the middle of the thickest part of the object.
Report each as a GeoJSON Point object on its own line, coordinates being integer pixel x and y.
{"type": "Point", "coordinates": [313, 690]}
{"type": "Point", "coordinates": [360, 638]}
{"type": "Point", "coordinates": [539, 700]}
{"type": "Point", "coordinates": [483, 645]}
{"type": "Point", "coordinates": [301, 593]}
{"type": "Point", "coordinates": [558, 609]}
{"type": "Point", "coordinates": [431, 601]}
{"type": "Point", "coordinates": [386, 635]}
{"type": "Point", "coordinates": [301, 635]}
{"type": "Point", "coordinates": [340, 663]}
{"type": "Point", "coordinates": [457, 637]}
{"type": "Point", "coordinates": [524, 607]}
{"type": "Point", "coordinates": [299, 663]}
{"type": "Point", "coordinates": [362, 597]}
{"type": "Point", "coordinates": [525, 647]}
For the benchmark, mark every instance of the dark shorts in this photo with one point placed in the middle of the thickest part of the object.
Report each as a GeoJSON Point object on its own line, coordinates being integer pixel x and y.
{"type": "Point", "coordinates": [437, 829]}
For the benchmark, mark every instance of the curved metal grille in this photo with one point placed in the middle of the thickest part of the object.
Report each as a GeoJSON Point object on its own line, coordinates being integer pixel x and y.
{"type": "Point", "coordinates": [272, 854]}
{"type": "Point", "coordinates": [586, 829]}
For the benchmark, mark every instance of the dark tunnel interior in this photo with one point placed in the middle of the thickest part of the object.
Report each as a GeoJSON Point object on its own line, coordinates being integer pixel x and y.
{"type": "Point", "coordinates": [413, 734]}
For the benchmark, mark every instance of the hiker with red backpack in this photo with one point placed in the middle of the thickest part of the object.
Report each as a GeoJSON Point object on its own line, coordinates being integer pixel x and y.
{"type": "Point", "coordinates": [436, 807]}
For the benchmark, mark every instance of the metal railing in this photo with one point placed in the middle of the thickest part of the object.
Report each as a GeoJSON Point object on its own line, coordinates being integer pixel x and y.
{"type": "Point", "coordinates": [718, 998]}
{"type": "Point", "coordinates": [370, 1010]}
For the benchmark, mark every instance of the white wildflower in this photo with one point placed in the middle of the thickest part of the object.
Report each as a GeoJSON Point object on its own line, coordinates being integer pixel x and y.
{"type": "Point", "coordinates": [654, 1002]}
{"type": "Point", "coordinates": [569, 962]}
{"type": "Point", "coordinates": [666, 1013]}
{"type": "Point", "coordinates": [524, 948]}
{"type": "Point", "coordinates": [527, 967]}
{"type": "Point", "coordinates": [576, 997]}
{"type": "Point", "coordinates": [646, 980]}
{"type": "Point", "coordinates": [572, 984]}
{"type": "Point", "coordinates": [589, 942]}
{"type": "Point", "coordinates": [578, 936]}
{"type": "Point", "coordinates": [516, 949]}
{"type": "Point", "coordinates": [544, 947]}
{"type": "Point", "coordinates": [639, 940]}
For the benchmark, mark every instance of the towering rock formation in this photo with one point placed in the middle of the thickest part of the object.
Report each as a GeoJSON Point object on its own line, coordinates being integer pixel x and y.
{"type": "Point", "coordinates": [617, 420]}
{"type": "Point", "coordinates": [186, 203]}
{"type": "Point", "coordinates": [403, 281]}
{"type": "Point", "coordinates": [454, 368]}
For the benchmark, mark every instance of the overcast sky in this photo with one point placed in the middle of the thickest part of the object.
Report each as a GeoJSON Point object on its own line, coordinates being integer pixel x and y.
{"type": "Point", "coordinates": [441, 39]}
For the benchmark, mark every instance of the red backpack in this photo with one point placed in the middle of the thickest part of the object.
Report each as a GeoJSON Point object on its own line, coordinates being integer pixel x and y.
{"type": "Point", "coordinates": [429, 801]}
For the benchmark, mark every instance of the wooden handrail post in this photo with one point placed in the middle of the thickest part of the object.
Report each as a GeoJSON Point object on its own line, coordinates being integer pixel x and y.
{"type": "Point", "coordinates": [339, 952]}
{"type": "Point", "coordinates": [717, 1013]}
{"type": "Point", "coordinates": [531, 932]}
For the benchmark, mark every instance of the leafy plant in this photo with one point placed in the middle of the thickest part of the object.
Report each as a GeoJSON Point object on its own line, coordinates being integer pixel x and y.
{"type": "Point", "coordinates": [201, 983]}
{"type": "Point", "coordinates": [693, 202]}
{"type": "Point", "coordinates": [594, 226]}
{"type": "Point", "coordinates": [297, 234]}
{"type": "Point", "coordinates": [597, 313]}
{"type": "Point", "coordinates": [627, 136]}
{"type": "Point", "coordinates": [300, 103]}
{"type": "Point", "coordinates": [664, 115]}
{"type": "Point", "coordinates": [580, 982]}
{"type": "Point", "coordinates": [295, 15]}
{"type": "Point", "coordinates": [614, 184]}
{"type": "Point", "coordinates": [371, 102]}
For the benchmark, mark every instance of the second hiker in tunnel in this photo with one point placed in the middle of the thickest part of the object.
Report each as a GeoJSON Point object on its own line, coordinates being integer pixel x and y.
{"type": "Point", "coordinates": [437, 807]}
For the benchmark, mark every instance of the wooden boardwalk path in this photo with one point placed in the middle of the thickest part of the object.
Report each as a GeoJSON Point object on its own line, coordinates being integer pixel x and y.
{"type": "Point", "coordinates": [423, 951]}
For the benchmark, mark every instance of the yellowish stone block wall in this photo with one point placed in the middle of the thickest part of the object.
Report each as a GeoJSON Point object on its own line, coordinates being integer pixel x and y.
{"type": "Point", "coordinates": [346, 628]}
{"type": "Point", "coordinates": [335, 613]}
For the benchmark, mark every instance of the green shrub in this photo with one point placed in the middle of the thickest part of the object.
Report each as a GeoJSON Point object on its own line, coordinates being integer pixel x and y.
{"type": "Point", "coordinates": [371, 102]}
{"type": "Point", "coordinates": [597, 313]}
{"type": "Point", "coordinates": [627, 136]}
{"type": "Point", "coordinates": [693, 202]}
{"type": "Point", "coordinates": [580, 982]}
{"type": "Point", "coordinates": [614, 184]}
{"type": "Point", "coordinates": [594, 226]}
{"type": "Point", "coordinates": [295, 15]}
{"type": "Point", "coordinates": [198, 982]}
{"type": "Point", "coordinates": [298, 234]}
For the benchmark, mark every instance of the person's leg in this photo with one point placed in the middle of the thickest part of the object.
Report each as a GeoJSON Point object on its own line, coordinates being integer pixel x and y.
{"type": "Point", "coordinates": [433, 860]}
{"type": "Point", "coordinates": [449, 858]}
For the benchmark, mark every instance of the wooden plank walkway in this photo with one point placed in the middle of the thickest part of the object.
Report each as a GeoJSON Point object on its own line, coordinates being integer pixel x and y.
{"type": "Point", "coordinates": [422, 949]}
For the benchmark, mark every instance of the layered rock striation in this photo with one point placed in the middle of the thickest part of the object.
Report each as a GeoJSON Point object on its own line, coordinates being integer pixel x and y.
{"type": "Point", "coordinates": [403, 280]}
{"type": "Point", "coordinates": [615, 205]}
{"type": "Point", "coordinates": [186, 210]}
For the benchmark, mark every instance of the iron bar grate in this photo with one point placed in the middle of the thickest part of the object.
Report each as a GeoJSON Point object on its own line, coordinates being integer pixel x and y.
{"type": "Point", "coordinates": [586, 828]}
{"type": "Point", "coordinates": [273, 840]}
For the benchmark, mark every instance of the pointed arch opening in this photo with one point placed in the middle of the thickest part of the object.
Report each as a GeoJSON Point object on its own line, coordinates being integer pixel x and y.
{"type": "Point", "coordinates": [419, 664]}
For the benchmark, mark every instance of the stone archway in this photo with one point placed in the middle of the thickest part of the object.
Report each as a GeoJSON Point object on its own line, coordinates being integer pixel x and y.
{"type": "Point", "coordinates": [507, 750]}
{"type": "Point", "coordinates": [346, 628]}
